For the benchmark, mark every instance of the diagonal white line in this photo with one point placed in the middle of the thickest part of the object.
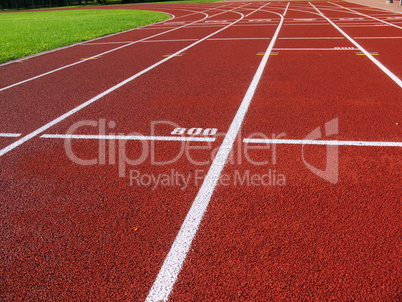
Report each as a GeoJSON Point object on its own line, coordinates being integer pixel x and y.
{"type": "Point", "coordinates": [173, 263]}
{"type": "Point", "coordinates": [374, 60]}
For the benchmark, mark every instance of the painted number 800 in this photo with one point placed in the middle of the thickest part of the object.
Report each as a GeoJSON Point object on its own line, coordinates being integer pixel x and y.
{"type": "Point", "coordinates": [194, 131]}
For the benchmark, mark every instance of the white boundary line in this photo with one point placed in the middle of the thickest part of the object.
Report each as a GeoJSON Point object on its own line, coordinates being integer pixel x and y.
{"type": "Point", "coordinates": [131, 137]}
{"type": "Point", "coordinates": [306, 49]}
{"type": "Point", "coordinates": [10, 134]}
{"type": "Point", "coordinates": [312, 38]}
{"type": "Point", "coordinates": [374, 60]}
{"type": "Point", "coordinates": [377, 38]}
{"type": "Point", "coordinates": [106, 92]}
{"type": "Point", "coordinates": [173, 263]}
{"type": "Point", "coordinates": [321, 142]}
{"type": "Point", "coordinates": [368, 16]}
{"type": "Point", "coordinates": [177, 40]}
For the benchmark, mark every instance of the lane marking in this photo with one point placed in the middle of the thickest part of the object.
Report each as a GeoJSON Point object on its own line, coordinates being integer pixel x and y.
{"type": "Point", "coordinates": [131, 137]}
{"type": "Point", "coordinates": [172, 265]}
{"type": "Point", "coordinates": [368, 16]}
{"type": "Point", "coordinates": [313, 49]}
{"type": "Point", "coordinates": [105, 43]}
{"type": "Point", "coordinates": [85, 59]}
{"type": "Point", "coordinates": [363, 54]}
{"type": "Point", "coordinates": [235, 39]}
{"type": "Point", "coordinates": [215, 22]}
{"type": "Point", "coordinates": [10, 134]}
{"type": "Point", "coordinates": [377, 37]}
{"type": "Point", "coordinates": [342, 19]}
{"type": "Point", "coordinates": [175, 23]}
{"type": "Point", "coordinates": [258, 9]}
{"type": "Point", "coordinates": [173, 55]}
{"type": "Point", "coordinates": [259, 20]}
{"type": "Point", "coordinates": [321, 142]}
{"type": "Point", "coordinates": [312, 38]}
{"type": "Point", "coordinates": [106, 92]}
{"type": "Point", "coordinates": [306, 19]}
{"type": "Point", "coordinates": [176, 40]}
{"type": "Point", "coordinates": [345, 48]}
{"type": "Point", "coordinates": [374, 60]}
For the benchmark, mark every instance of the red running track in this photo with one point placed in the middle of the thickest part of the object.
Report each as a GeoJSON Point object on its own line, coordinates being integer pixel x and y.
{"type": "Point", "coordinates": [285, 185]}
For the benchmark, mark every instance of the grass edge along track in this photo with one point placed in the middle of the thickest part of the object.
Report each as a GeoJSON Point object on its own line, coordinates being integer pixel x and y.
{"type": "Point", "coordinates": [28, 33]}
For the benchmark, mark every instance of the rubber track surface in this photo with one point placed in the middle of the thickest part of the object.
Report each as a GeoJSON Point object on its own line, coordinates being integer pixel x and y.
{"type": "Point", "coordinates": [84, 219]}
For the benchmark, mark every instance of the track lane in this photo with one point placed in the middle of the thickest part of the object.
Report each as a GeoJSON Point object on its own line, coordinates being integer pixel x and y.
{"type": "Point", "coordinates": [306, 239]}
{"type": "Point", "coordinates": [167, 276]}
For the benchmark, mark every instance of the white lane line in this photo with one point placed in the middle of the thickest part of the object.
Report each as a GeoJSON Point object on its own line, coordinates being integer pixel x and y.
{"type": "Point", "coordinates": [177, 40]}
{"type": "Point", "coordinates": [312, 38]}
{"type": "Point", "coordinates": [367, 16]}
{"type": "Point", "coordinates": [377, 38]}
{"type": "Point", "coordinates": [106, 92]}
{"type": "Point", "coordinates": [105, 43]}
{"type": "Point", "coordinates": [304, 19]}
{"type": "Point", "coordinates": [374, 60]}
{"type": "Point", "coordinates": [321, 142]}
{"type": "Point", "coordinates": [236, 39]}
{"type": "Point", "coordinates": [333, 48]}
{"type": "Point", "coordinates": [10, 134]}
{"type": "Point", "coordinates": [254, 11]}
{"type": "Point", "coordinates": [173, 263]}
{"type": "Point", "coordinates": [131, 137]}
{"type": "Point", "coordinates": [366, 26]}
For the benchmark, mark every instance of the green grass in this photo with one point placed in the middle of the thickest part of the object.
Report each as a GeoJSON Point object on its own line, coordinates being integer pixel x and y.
{"type": "Point", "coordinates": [27, 33]}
